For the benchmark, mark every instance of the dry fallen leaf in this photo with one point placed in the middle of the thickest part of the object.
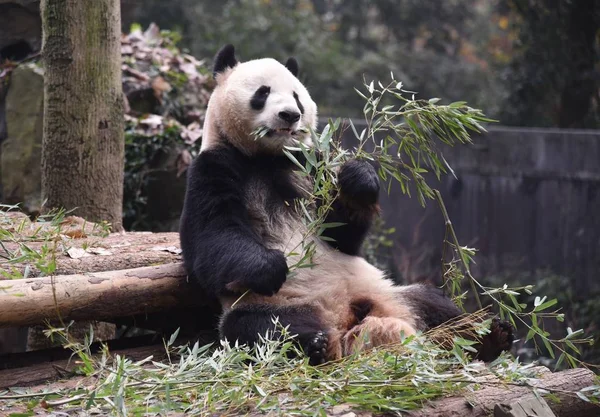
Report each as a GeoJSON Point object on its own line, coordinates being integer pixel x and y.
{"type": "Point", "coordinates": [192, 132]}
{"type": "Point", "coordinates": [99, 251]}
{"type": "Point", "coordinates": [184, 159]}
{"type": "Point", "coordinates": [171, 249]}
{"type": "Point", "coordinates": [152, 34]}
{"type": "Point", "coordinates": [77, 253]}
{"type": "Point", "coordinates": [152, 120]}
{"type": "Point", "coordinates": [76, 227]}
{"type": "Point", "coordinates": [160, 86]}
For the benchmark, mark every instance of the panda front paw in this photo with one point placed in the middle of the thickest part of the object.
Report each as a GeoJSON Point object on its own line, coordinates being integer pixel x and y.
{"type": "Point", "coordinates": [264, 276]}
{"type": "Point", "coordinates": [359, 182]}
{"type": "Point", "coordinates": [315, 347]}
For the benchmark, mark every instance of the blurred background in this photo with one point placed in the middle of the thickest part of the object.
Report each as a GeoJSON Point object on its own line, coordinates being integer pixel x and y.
{"type": "Point", "coordinates": [527, 63]}
{"type": "Point", "coordinates": [526, 195]}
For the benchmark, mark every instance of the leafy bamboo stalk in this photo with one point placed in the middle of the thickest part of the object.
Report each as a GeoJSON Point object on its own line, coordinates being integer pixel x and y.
{"type": "Point", "coordinates": [533, 330]}
{"type": "Point", "coordinates": [461, 252]}
{"type": "Point", "coordinates": [409, 132]}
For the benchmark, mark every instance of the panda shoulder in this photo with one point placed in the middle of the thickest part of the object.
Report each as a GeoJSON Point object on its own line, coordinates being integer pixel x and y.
{"type": "Point", "coordinates": [218, 163]}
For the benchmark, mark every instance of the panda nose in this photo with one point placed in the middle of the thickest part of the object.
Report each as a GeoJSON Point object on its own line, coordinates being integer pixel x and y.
{"type": "Point", "coordinates": [289, 116]}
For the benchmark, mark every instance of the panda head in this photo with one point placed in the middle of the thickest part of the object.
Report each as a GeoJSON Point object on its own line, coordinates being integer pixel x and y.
{"type": "Point", "coordinates": [260, 94]}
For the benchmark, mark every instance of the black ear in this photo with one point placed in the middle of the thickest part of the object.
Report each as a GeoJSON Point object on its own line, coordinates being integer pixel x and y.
{"type": "Point", "coordinates": [224, 59]}
{"type": "Point", "coordinates": [292, 65]}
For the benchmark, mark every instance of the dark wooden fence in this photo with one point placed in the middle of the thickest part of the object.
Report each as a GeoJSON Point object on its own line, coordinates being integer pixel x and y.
{"type": "Point", "coordinates": [527, 199]}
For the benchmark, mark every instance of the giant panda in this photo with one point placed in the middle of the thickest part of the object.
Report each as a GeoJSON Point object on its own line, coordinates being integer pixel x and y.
{"type": "Point", "coordinates": [239, 220]}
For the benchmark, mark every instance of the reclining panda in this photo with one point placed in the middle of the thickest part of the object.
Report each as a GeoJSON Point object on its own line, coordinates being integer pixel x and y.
{"type": "Point", "coordinates": [239, 220]}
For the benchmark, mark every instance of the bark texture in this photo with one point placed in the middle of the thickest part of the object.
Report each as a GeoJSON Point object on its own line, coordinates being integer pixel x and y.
{"type": "Point", "coordinates": [117, 251]}
{"type": "Point", "coordinates": [481, 402]}
{"type": "Point", "coordinates": [63, 366]}
{"type": "Point", "coordinates": [95, 296]}
{"type": "Point", "coordinates": [83, 145]}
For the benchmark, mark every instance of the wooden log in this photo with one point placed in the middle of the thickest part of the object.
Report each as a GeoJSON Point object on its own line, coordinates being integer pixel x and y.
{"type": "Point", "coordinates": [482, 402]}
{"type": "Point", "coordinates": [44, 366]}
{"type": "Point", "coordinates": [29, 368]}
{"type": "Point", "coordinates": [117, 251]}
{"type": "Point", "coordinates": [528, 406]}
{"type": "Point", "coordinates": [95, 296]}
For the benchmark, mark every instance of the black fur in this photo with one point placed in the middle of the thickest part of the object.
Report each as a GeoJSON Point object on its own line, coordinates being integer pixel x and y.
{"type": "Point", "coordinates": [431, 305]}
{"type": "Point", "coordinates": [292, 65]}
{"type": "Point", "coordinates": [434, 308]}
{"type": "Point", "coordinates": [300, 106]}
{"type": "Point", "coordinates": [246, 323]}
{"type": "Point", "coordinates": [224, 59]}
{"type": "Point", "coordinates": [499, 339]}
{"type": "Point", "coordinates": [258, 100]}
{"type": "Point", "coordinates": [356, 206]}
{"type": "Point", "coordinates": [221, 251]}
{"type": "Point", "coordinates": [359, 182]}
{"type": "Point", "coordinates": [361, 309]}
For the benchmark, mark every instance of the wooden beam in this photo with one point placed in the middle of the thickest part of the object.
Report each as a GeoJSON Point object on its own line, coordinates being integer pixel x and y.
{"type": "Point", "coordinates": [525, 407]}
{"type": "Point", "coordinates": [97, 296]}
{"type": "Point", "coordinates": [44, 366]}
{"type": "Point", "coordinates": [481, 402]}
{"type": "Point", "coordinates": [65, 368]}
{"type": "Point", "coordinates": [96, 254]}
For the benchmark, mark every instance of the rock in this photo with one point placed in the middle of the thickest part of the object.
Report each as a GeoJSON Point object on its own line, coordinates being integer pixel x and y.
{"type": "Point", "coordinates": [21, 151]}
{"type": "Point", "coordinates": [20, 28]}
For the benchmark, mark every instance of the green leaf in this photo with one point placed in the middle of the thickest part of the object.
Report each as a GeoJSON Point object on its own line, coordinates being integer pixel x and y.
{"type": "Point", "coordinates": [332, 224]}
{"type": "Point", "coordinates": [293, 159]}
{"type": "Point", "coordinates": [173, 337]}
{"type": "Point", "coordinates": [530, 335]}
{"type": "Point", "coordinates": [544, 306]}
{"type": "Point", "coordinates": [548, 346]}
{"type": "Point", "coordinates": [583, 397]}
{"type": "Point", "coordinates": [356, 135]}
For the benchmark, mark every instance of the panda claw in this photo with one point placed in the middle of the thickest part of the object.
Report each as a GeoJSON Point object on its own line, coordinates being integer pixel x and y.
{"type": "Point", "coordinates": [316, 348]}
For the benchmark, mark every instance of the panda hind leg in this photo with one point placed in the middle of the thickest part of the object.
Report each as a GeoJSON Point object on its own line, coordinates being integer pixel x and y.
{"type": "Point", "coordinates": [499, 339]}
{"type": "Point", "coordinates": [375, 331]}
{"type": "Point", "coordinates": [246, 323]}
{"type": "Point", "coordinates": [434, 308]}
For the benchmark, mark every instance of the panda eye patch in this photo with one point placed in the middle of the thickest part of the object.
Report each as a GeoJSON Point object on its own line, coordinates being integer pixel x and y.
{"type": "Point", "coordinates": [259, 98]}
{"type": "Point", "coordinates": [300, 106]}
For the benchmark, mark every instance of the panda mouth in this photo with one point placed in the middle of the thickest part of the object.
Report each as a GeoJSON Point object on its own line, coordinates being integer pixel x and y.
{"type": "Point", "coordinates": [283, 130]}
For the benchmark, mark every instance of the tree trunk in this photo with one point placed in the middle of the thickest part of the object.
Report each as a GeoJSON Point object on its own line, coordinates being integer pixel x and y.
{"type": "Point", "coordinates": [83, 146]}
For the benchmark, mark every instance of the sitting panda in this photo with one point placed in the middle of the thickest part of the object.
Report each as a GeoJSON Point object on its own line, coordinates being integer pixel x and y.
{"type": "Point", "coordinates": [239, 220]}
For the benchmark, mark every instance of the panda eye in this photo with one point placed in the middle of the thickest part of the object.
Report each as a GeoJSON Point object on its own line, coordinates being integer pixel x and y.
{"type": "Point", "coordinates": [300, 106]}
{"type": "Point", "coordinates": [260, 97]}
{"type": "Point", "coordinates": [263, 91]}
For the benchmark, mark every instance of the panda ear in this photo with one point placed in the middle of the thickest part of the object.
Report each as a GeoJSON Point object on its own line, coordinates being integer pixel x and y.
{"type": "Point", "coordinates": [224, 59]}
{"type": "Point", "coordinates": [292, 65]}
